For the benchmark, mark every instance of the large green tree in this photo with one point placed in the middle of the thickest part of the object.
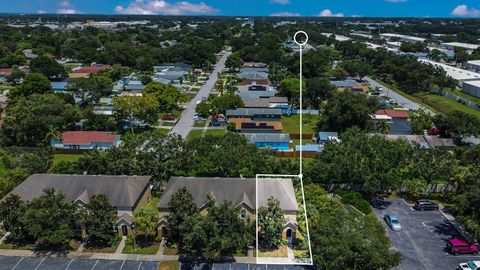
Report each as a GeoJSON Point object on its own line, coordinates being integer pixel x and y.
{"type": "Point", "coordinates": [167, 96]}
{"type": "Point", "coordinates": [99, 218]}
{"type": "Point", "coordinates": [182, 210]}
{"type": "Point", "coordinates": [12, 209]}
{"type": "Point", "coordinates": [270, 224]}
{"type": "Point", "coordinates": [33, 83]}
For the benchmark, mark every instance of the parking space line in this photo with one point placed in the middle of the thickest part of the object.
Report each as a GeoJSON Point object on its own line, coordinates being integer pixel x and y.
{"type": "Point", "coordinates": [15, 266]}
{"type": "Point", "coordinates": [424, 224]}
{"type": "Point", "coordinates": [94, 265]}
{"type": "Point", "coordinates": [139, 265]}
{"type": "Point", "coordinates": [40, 263]}
{"type": "Point", "coordinates": [68, 265]}
{"type": "Point", "coordinates": [121, 266]}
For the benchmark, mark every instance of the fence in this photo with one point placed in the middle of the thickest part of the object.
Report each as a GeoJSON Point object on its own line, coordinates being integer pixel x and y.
{"type": "Point", "coordinates": [294, 154]}
{"type": "Point", "coordinates": [432, 188]}
{"type": "Point", "coordinates": [296, 136]}
{"type": "Point", "coordinates": [458, 99]}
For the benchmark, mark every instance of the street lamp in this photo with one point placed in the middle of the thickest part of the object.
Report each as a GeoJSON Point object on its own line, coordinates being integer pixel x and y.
{"type": "Point", "coordinates": [133, 235]}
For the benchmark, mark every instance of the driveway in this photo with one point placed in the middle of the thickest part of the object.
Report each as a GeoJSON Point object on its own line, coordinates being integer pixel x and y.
{"type": "Point", "coordinates": [185, 124]}
{"type": "Point", "coordinates": [405, 102]}
{"type": "Point", "coordinates": [422, 240]}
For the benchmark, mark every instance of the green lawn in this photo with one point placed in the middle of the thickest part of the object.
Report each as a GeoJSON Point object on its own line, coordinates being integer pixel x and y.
{"type": "Point", "coordinates": [172, 250]}
{"type": "Point", "coordinates": [291, 124]}
{"type": "Point", "coordinates": [445, 105]}
{"type": "Point", "coordinates": [198, 133]}
{"type": "Point", "coordinates": [19, 246]}
{"type": "Point", "coordinates": [464, 95]}
{"type": "Point", "coordinates": [65, 157]}
{"type": "Point", "coordinates": [168, 124]}
{"type": "Point", "coordinates": [301, 254]}
{"type": "Point", "coordinates": [151, 249]}
{"type": "Point", "coordinates": [280, 252]}
{"type": "Point", "coordinates": [199, 124]}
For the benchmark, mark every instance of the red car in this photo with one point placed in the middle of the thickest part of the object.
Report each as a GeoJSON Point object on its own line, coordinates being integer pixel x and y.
{"type": "Point", "coordinates": [458, 246]}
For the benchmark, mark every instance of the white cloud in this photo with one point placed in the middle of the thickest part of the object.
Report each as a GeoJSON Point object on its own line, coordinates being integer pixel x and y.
{"type": "Point", "coordinates": [68, 11]}
{"type": "Point", "coordinates": [65, 3]}
{"type": "Point", "coordinates": [464, 11]}
{"type": "Point", "coordinates": [281, 2]}
{"type": "Point", "coordinates": [285, 14]}
{"type": "Point", "coordinates": [396, 1]}
{"type": "Point", "coordinates": [328, 13]}
{"type": "Point", "coordinates": [40, 11]}
{"type": "Point", "coordinates": [164, 8]}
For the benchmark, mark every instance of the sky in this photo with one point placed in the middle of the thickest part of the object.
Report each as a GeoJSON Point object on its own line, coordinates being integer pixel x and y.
{"type": "Point", "coordinates": [338, 8]}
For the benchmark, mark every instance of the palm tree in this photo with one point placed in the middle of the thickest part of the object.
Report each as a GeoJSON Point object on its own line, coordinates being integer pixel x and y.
{"type": "Point", "coordinates": [220, 87]}
{"type": "Point", "coordinates": [52, 134]}
{"type": "Point", "coordinates": [383, 127]}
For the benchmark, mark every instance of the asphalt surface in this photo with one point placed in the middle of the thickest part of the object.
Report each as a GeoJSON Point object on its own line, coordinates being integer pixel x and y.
{"type": "Point", "coordinates": [405, 102]}
{"type": "Point", "coordinates": [422, 240]}
{"type": "Point", "coordinates": [47, 263]}
{"type": "Point", "coordinates": [185, 123]}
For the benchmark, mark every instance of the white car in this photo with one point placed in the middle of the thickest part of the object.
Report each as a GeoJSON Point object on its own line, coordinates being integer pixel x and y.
{"type": "Point", "coordinates": [470, 265]}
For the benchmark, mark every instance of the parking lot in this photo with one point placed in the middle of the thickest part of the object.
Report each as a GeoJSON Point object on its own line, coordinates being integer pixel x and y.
{"type": "Point", "coordinates": [47, 263]}
{"type": "Point", "coordinates": [422, 240]}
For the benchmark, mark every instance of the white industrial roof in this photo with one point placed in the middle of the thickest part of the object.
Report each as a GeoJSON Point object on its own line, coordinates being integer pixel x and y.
{"type": "Point", "coordinates": [473, 83]}
{"type": "Point", "coordinates": [454, 72]}
{"type": "Point", "coordinates": [411, 38]}
{"type": "Point", "coordinates": [461, 45]}
{"type": "Point", "coordinates": [474, 62]}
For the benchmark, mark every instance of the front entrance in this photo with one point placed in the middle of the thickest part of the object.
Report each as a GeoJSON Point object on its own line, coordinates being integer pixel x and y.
{"type": "Point", "coordinates": [289, 236]}
{"type": "Point", "coordinates": [164, 232]}
{"type": "Point", "coordinates": [124, 230]}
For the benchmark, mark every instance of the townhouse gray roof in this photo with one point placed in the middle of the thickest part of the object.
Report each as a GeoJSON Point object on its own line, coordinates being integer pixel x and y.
{"type": "Point", "coordinates": [122, 191]}
{"type": "Point", "coordinates": [267, 137]}
{"type": "Point", "coordinates": [253, 75]}
{"type": "Point", "coordinates": [235, 190]}
{"type": "Point", "coordinates": [278, 100]}
{"type": "Point", "coordinates": [254, 111]}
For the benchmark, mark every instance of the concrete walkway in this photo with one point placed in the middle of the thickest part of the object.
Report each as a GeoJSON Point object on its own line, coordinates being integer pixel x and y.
{"type": "Point", "coordinates": [121, 245]}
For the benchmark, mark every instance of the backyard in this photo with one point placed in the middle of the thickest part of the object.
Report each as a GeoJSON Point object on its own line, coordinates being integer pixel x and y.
{"type": "Point", "coordinates": [291, 124]}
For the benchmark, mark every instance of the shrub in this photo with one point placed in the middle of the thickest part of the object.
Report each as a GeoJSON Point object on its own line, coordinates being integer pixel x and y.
{"type": "Point", "coordinates": [355, 199]}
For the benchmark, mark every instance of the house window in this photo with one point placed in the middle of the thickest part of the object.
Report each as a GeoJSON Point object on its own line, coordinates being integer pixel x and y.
{"type": "Point", "coordinates": [243, 214]}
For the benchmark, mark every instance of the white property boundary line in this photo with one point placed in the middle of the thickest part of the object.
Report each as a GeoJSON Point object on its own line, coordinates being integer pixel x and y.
{"type": "Point", "coordinates": [300, 175]}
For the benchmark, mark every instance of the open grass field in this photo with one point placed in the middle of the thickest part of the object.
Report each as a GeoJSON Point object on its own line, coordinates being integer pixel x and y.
{"type": "Point", "coordinates": [198, 133]}
{"type": "Point", "coordinates": [445, 105]}
{"type": "Point", "coordinates": [66, 157]}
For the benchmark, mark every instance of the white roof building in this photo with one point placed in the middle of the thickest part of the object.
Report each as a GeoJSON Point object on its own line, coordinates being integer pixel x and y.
{"type": "Point", "coordinates": [458, 74]}
{"type": "Point", "coordinates": [402, 37]}
{"type": "Point", "coordinates": [467, 46]}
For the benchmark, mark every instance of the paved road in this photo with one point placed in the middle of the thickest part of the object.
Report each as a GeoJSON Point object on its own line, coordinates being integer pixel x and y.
{"type": "Point", "coordinates": [405, 102]}
{"type": "Point", "coordinates": [185, 124]}
{"type": "Point", "coordinates": [422, 240]}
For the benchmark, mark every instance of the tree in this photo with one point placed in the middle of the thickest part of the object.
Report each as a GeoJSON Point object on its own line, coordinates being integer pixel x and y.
{"type": "Point", "coordinates": [290, 88]}
{"type": "Point", "coordinates": [167, 96]}
{"type": "Point", "coordinates": [134, 109]}
{"type": "Point", "coordinates": [93, 87]}
{"type": "Point", "coordinates": [9, 179]}
{"type": "Point", "coordinates": [11, 216]}
{"type": "Point", "coordinates": [234, 62]}
{"type": "Point", "coordinates": [99, 218]}
{"type": "Point", "coordinates": [48, 66]}
{"type": "Point", "coordinates": [420, 120]}
{"type": "Point", "coordinates": [221, 104]}
{"type": "Point", "coordinates": [357, 68]}
{"type": "Point", "coordinates": [145, 221]}
{"type": "Point", "coordinates": [346, 110]}
{"type": "Point", "coordinates": [33, 83]}
{"type": "Point", "coordinates": [15, 76]}
{"type": "Point", "coordinates": [457, 125]}
{"type": "Point", "coordinates": [270, 224]}
{"type": "Point", "coordinates": [145, 63]}
{"type": "Point", "coordinates": [382, 126]}
{"type": "Point", "coordinates": [318, 90]}
{"type": "Point", "coordinates": [339, 73]}
{"type": "Point", "coordinates": [182, 208]}
{"type": "Point", "coordinates": [29, 120]}
{"type": "Point", "coordinates": [49, 218]}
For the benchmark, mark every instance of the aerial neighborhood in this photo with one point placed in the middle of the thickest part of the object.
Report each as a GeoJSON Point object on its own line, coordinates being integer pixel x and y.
{"type": "Point", "coordinates": [138, 141]}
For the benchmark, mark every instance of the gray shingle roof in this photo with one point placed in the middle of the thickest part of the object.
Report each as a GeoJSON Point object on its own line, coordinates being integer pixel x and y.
{"type": "Point", "coordinates": [267, 137]}
{"type": "Point", "coordinates": [123, 191]}
{"type": "Point", "coordinates": [236, 190]}
{"type": "Point", "coordinates": [254, 111]}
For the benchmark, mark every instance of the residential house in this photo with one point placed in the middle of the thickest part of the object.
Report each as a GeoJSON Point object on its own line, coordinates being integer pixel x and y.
{"type": "Point", "coordinates": [394, 114]}
{"type": "Point", "coordinates": [425, 141]}
{"type": "Point", "coordinates": [86, 140]}
{"type": "Point", "coordinates": [245, 125]}
{"type": "Point", "coordinates": [262, 114]}
{"type": "Point", "coordinates": [254, 82]}
{"type": "Point", "coordinates": [325, 136]}
{"type": "Point", "coordinates": [85, 71]}
{"type": "Point", "coordinates": [274, 141]}
{"type": "Point", "coordinates": [244, 194]}
{"type": "Point", "coordinates": [397, 119]}
{"type": "Point", "coordinates": [59, 87]}
{"type": "Point", "coordinates": [125, 193]}
{"type": "Point", "coordinates": [267, 102]}
{"type": "Point", "coordinates": [350, 85]}
{"type": "Point", "coordinates": [105, 110]}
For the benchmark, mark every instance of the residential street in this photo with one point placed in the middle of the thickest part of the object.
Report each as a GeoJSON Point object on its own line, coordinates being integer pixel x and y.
{"type": "Point", "coordinates": [405, 102]}
{"type": "Point", "coordinates": [185, 124]}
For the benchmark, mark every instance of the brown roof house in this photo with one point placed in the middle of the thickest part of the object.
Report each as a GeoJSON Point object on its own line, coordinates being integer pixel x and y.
{"type": "Point", "coordinates": [241, 192]}
{"type": "Point", "coordinates": [126, 193]}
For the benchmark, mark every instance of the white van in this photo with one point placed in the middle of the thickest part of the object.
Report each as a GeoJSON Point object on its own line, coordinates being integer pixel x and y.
{"type": "Point", "coordinates": [470, 265]}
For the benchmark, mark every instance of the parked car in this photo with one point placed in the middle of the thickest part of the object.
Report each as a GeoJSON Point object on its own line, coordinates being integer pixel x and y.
{"type": "Point", "coordinates": [393, 222]}
{"type": "Point", "coordinates": [459, 246]}
{"type": "Point", "coordinates": [425, 205]}
{"type": "Point", "coordinates": [470, 265]}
